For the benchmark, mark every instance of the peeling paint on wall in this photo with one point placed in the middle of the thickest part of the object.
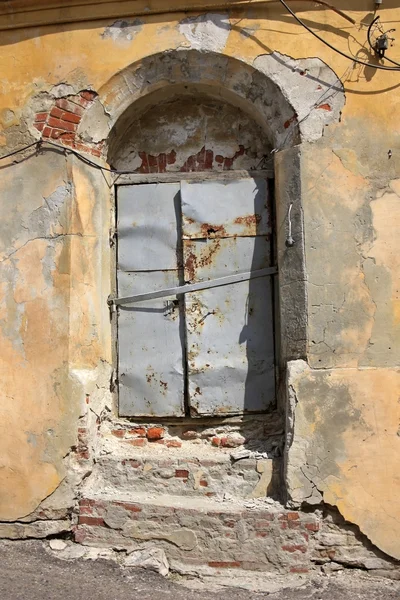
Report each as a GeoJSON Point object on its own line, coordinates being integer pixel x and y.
{"type": "Point", "coordinates": [338, 439]}
{"type": "Point", "coordinates": [123, 32]}
{"type": "Point", "coordinates": [206, 32]}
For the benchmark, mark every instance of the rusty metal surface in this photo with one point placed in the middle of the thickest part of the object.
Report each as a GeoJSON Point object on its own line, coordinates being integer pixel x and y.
{"type": "Point", "coordinates": [228, 330]}
{"type": "Point", "coordinates": [230, 338]}
{"type": "Point", "coordinates": [147, 226]}
{"type": "Point", "coordinates": [150, 336]}
{"type": "Point", "coordinates": [225, 208]}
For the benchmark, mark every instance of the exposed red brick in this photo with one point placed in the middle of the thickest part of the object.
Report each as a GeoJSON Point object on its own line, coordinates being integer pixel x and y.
{"type": "Point", "coordinates": [289, 121]}
{"type": "Point", "coordinates": [225, 565]}
{"type": "Point", "coordinates": [262, 524]}
{"type": "Point", "coordinates": [84, 454]}
{"type": "Point", "coordinates": [294, 524]}
{"type": "Point", "coordinates": [171, 157]}
{"type": "Point", "coordinates": [209, 158]}
{"type": "Point", "coordinates": [219, 159]}
{"type": "Point", "coordinates": [203, 483]}
{"type": "Point", "coordinates": [80, 101]}
{"type": "Point", "coordinates": [128, 506]}
{"type": "Point", "coordinates": [138, 442]}
{"type": "Point", "coordinates": [153, 163]}
{"type": "Point", "coordinates": [293, 516]}
{"type": "Point", "coordinates": [312, 526]}
{"type": "Point", "coordinates": [325, 106]}
{"type": "Point", "coordinates": [119, 433]}
{"type": "Point", "coordinates": [162, 162]}
{"type": "Point", "coordinates": [182, 473]}
{"type": "Point", "coordinates": [231, 442]}
{"type": "Point", "coordinates": [59, 133]}
{"type": "Point", "coordinates": [71, 117]}
{"type": "Point", "coordinates": [56, 112]}
{"type": "Point", "coordinates": [298, 570]}
{"type": "Point", "coordinates": [95, 151]}
{"type": "Point", "coordinates": [284, 525]}
{"type": "Point", "coordinates": [173, 444]}
{"type": "Point", "coordinates": [46, 132]}
{"type": "Point", "coordinates": [144, 167]}
{"type": "Point", "coordinates": [87, 502]}
{"type": "Point", "coordinates": [60, 124]}
{"type": "Point", "coordinates": [228, 162]}
{"type": "Point", "coordinates": [66, 136]}
{"type": "Point", "coordinates": [261, 534]}
{"type": "Point", "coordinates": [88, 95]}
{"type": "Point", "coordinates": [155, 433]}
{"type": "Point", "coordinates": [294, 548]}
{"type": "Point", "coordinates": [69, 106]}
{"type": "Point", "coordinates": [86, 520]}
{"type": "Point", "coordinates": [137, 431]}
{"type": "Point", "coordinates": [39, 117]}
{"type": "Point", "coordinates": [216, 441]}
{"type": "Point", "coordinates": [39, 126]}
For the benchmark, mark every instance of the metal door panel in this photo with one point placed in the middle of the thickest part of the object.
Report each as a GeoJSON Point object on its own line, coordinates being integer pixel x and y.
{"type": "Point", "coordinates": [212, 258]}
{"type": "Point", "coordinates": [148, 224]}
{"type": "Point", "coordinates": [225, 208]}
{"type": "Point", "coordinates": [230, 347]}
{"type": "Point", "coordinates": [230, 338]}
{"type": "Point", "coordinates": [150, 348]}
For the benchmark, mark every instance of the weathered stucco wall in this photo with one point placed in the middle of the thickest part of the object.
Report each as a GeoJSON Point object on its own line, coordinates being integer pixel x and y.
{"type": "Point", "coordinates": [56, 258]}
{"type": "Point", "coordinates": [191, 133]}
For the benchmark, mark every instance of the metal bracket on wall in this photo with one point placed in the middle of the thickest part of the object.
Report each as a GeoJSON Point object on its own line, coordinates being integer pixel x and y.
{"type": "Point", "coordinates": [194, 287]}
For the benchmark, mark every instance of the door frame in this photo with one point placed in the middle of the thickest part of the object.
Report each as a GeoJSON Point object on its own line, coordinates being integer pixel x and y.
{"type": "Point", "coordinates": [176, 177]}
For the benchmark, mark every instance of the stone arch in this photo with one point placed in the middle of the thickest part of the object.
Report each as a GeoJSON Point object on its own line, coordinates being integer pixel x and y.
{"type": "Point", "coordinates": [291, 101]}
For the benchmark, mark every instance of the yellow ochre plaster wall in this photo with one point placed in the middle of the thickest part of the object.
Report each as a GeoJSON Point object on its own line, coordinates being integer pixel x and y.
{"type": "Point", "coordinates": [55, 256]}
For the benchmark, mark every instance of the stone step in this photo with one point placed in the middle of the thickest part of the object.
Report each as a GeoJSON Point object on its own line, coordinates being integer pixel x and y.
{"type": "Point", "coordinates": [206, 475]}
{"type": "Point", "coordinates": [253, 535]}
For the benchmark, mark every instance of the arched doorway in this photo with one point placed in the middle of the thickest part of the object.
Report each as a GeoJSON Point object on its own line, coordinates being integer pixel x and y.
{"type": "Point", "coordinates": [197, 211]}
{"type": "Point", "coordinates": [144, 93]}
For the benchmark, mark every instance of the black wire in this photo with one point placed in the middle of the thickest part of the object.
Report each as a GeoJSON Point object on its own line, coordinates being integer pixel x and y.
{"type": "Point", "coordinates": [18, 151]}
{"type": "Point", "coordinates": [352, 58]}
{"type": "Point", "coordinates": [40, 146]}
{"type": "Point", "coordinates": [372, 46]}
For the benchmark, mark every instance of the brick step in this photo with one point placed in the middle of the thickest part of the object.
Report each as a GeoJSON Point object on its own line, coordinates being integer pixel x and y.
{"type": "Point", "coordinates": [213, 475]}
{"type": "Point", "coordinates": [200, 532]}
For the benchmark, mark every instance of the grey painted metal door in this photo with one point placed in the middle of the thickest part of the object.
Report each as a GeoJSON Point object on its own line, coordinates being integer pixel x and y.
{"type": "Point", "coordinates": [230, 344]}
{"type": "Point", "coordinates": [150, 334]}
{"type": "Point", "coordinates": [215, 346]}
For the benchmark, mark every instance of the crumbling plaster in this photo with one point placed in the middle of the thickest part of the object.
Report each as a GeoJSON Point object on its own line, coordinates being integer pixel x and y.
{"type": "Point", "coordinates": [56, 327]}
{"type": "Point", "coordinates": [340, 439]}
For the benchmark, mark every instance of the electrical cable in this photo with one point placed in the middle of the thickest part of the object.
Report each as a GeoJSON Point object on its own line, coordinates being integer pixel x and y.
{"type": "Point", "coordinates": [372, 46]}
{"type": "Point", "coordinates": [40, 145]}
{"type": "Point", "coordinates": [348, 56]}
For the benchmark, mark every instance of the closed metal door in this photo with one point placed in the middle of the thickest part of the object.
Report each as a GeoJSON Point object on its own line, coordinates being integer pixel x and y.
{"type": "Point", "coordinates": [209, 352]}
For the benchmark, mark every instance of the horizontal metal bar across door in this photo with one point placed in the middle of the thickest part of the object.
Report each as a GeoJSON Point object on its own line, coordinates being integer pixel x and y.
{"type": "Point", "coordinates": [211, 350]}
{"type": "Point", "coordinates": [194, 287]}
